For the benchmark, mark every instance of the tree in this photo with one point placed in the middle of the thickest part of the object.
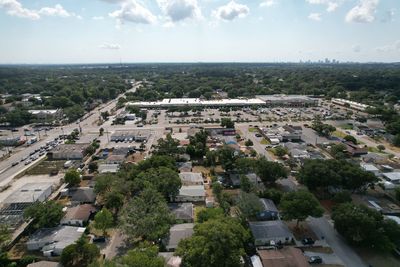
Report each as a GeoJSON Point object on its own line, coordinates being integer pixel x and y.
{"type": "Point", "coordinates": [299, 205]}
{"type": "Point", "coordinates": [245, 184]}
{"type": "Point", "coordinates": [103, 220]}
{"type": "Point", "coordinates": [145, 254]}
{"type": "Point", "coordinates": [168, 147]}
{"type": "Point", "coordinates": [339, 151]}
{"type": "Point", "coordinates": [248, 143]}
{"type": "Point", "coordinates": [210, 214]}
{"type": "Point", "coordinates": [44, 214]}
{"type": "Point", "coordinates": [227, 123]}
{"type": "Point", "coordinates": [204, 248]}
{"type": "Point", "coordinates": [101, 131]}
{"type": "Point", "coordinates": [280, 151]}
{"type": "Point", "coordinates": [366, 227]}
{"type": "Point", "coordinates": [147, 216]}
{"type": "Point", "coordinates": [249, 205]}
{"type": "Point", "coordinates": [322, 128]}
{"type": "Point", "coordinates": [269, 171]}
{"type": "Point", "coordinates": [4, 236]}
{"type": "Point", "coordinates": [165, 180]}
{"type": "Point", "coordinates": [274, 194]}
{"type": "Point", "coordinates": [80, 254]}
{"type": "Point", "coordinates": [72, 177]}
{"type": "Point", "coordinates": [93, 166]}
{"type": "Point", "coordinates": [113, 201]}
{"type": "Point", "coordinates": [227, 157]}
{"type": "Point", "coordinates": [380, 147]}
{"type": "Point", "coordinates": [397, 193]}
{"type": "Point", "coordinates": [350, 138]}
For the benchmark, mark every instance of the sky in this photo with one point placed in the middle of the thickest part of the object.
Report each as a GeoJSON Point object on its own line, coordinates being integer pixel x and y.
{"type": "Point", "coordinates": [131, 31]}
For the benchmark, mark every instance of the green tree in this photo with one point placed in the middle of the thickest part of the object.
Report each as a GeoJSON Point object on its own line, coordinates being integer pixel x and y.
{"type": "Point", "coordinates": [210, 214]}
{"type": "Point", "coordinates": [350, 138]}
{"type": "Point", "coordinates": [44, 214]}
{"type": "Point", "coordinates": [72, 177]}
{"type": "Point", "coordinates": [147, 216]}
{"type": "Point", "coordinates": [80, 254]}
{"type": "Point", "coordinates": [248, 143]}
{"type": "Point", "coordinates": [113, 201]}
{"type": "Point", "coordinates": [269, 171]}
{"type": "Point", "coordinates": [103, 220]}
{"type": "Point", "coordinates": [249, 205]}
{"type": "Point", "coordinates": [380, 147]}
{"type": "Point", "coordinates": [168, 147]}
{"type": "Point", "coordinates": [280, 151]}
{"type": "Point", "coordinates": [204, 248]}
{"type": "Point", "coordinates": [397, 193]}
{"type": "Point", "coordinates": [4, 236]}
{"type": "Point", "coordinates": [145, 254]}
{"type": "Point", "coordinates": [245, 184]}
{"type": "Point", "coordinates": [93, 166]}
{"type": "Point", "coordinates": [274, 194]}
{"type": "Point", "coordinates": [227, 123]}
{"type": "Point", "coordinates": [299, 205]}
{"type": "Point", "coordinates": [365, 227]}
{"type": "Point", "coordinates": [339, 151]}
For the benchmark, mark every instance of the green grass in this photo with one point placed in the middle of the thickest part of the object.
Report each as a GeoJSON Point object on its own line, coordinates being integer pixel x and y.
{"type": "Point", "coordinates": [265, 142]}
{"type": "Point", "coordinates": [339, 134]}
{"type": "Point", "coordinates": [252, 129]}
{"type": "Point", "coordinates": [346, 126]}
{"type": "Point", "coordinates": [45, 167]}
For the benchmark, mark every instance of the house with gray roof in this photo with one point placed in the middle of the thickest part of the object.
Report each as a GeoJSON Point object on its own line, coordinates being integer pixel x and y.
{"type": "Point", "coordinates": [177, 233]}
{"type": "Point", "coordinates": [266, 231]}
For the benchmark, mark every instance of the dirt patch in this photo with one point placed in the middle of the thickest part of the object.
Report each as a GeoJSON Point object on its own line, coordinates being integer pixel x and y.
{"type": "Point", "coordinates": [325, 250]}
{"type": "Point", "coordinates": [327, 204]}
{"type": "Point", "coordinates": [46, 167]}
{"type": "Point", "coordinates": [373, 258]}
{"type": "Point", "coordinates": [304, 230]}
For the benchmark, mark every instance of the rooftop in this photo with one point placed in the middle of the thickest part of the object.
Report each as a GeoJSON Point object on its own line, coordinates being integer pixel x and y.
{"type": "Point", "coordinates": [182, 211]}
{"type": "Point", "coordinates": [270, 230]}
{"type": "Point", "coordinates": [285, 257]}
{"type": "Point", "coordinates": [179, 232]}
{"type": "Point", "coordinates": [28, 193]}
{"type": "Point", "coordinates": [191, 178]}
{"type": "Point", "coordinates": [392, 176]}
{"type": "Point", "coordinates": [80, 212]}
{"type": "Point", "coordinates": [192, 190]}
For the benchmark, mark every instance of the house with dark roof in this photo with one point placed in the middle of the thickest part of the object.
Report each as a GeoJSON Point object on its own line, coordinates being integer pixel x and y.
{"type": "Point", "coordinates": [266, 232]}
{"type": "Point", "coordinates": [269, 211]}
{"type": "Point", "coordinates": [82, 195]}
{"type": "Point", "coordinates": [184, 212]}
{"type": "Point", "coordinates": [285, 257]}
{"type": "Point", "coordinates": [177, 233]}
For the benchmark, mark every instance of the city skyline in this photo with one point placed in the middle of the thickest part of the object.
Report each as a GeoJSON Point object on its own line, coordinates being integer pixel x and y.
{"type": "Point", "coordinates": [130, 31]}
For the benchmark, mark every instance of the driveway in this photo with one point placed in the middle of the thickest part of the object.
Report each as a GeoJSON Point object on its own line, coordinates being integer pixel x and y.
{"type": "Point", "coordinates": [322, 227]}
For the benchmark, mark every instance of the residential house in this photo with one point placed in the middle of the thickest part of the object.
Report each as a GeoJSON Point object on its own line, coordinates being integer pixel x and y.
{"type": "Point", "coordinates": [393, 177]}
{"type": "Point", "coordinates": [191, 193]}
{"type": "Point", "coordinates": [269, 210]}
{"type": "Point", "coordinates": [178, 232]}
{"type": "Point", "coordinates": [52, 241]}
{"type": "Point", "coordinates": [191, 178]}
{"type": "Point", "coordinates": [285, 257]}
{"type": "Point", "coordinates": [183, 212]}
{"type": "Point", "coordinates": [78, 215]}
{"type": "Point", "coordinates": [355, 150]}
{"type": "Point", "coordinates": [68, 152]}
{"type": "Point", "coordinates": [266, 232]}
{"type": "Point", "coordinates": [82, 195]}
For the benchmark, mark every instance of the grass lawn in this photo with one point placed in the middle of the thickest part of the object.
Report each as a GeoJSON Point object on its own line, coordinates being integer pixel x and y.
{"type": "Point", "coordinates": [339, 134]}
{"type": "Point", "coordinates": [374, 150]}
{"type": "Point", "coordinates": [346, 126]}
{"type": "Point", "coordinates": [264, 142]}
{"type": "Point", "coordinates": [253, 129]}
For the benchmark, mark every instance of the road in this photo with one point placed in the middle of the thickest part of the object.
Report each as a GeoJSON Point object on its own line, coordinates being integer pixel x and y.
{"type": "Point", "coordinates": [322, 227]}
{"type": "Point", "coordinates": [244, 129]}
{"type": "Point", "coordinates": [87, 124]}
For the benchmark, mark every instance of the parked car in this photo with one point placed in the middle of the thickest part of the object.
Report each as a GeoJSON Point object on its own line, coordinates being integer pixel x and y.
{"type": "Point", "coordinates": [14, 163]}
{"type": "Point", "coordinates": [258, 135]}
{"type": "Point", "coordinates": [315, 260]}
{"type": "Point", "coordinates": [308, 241]}
{"type": "Point", "coordinates": [99, 239]}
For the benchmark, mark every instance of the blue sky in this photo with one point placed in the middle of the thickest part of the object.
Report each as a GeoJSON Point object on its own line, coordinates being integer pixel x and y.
{"type": "Point", "coordinates": [98, 31]}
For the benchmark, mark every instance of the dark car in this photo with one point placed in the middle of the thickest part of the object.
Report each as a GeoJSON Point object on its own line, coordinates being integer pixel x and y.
{"type": "Point", "coordinates": [315, 260]}
{"type": "Point", "coordinates": [14, 163]}
{"type": "Point", "coordinates": [99, 239]}
{"type": "Point", "coordinates": [307, 241]}
{"type": "Point", "coordinates": [258, 135]}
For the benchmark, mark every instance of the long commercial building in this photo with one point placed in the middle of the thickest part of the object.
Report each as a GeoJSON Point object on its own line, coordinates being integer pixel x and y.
{"type": "Point", "coordinates": [350, 104]}
{"type": "Point", "coordinates": [260, 100]}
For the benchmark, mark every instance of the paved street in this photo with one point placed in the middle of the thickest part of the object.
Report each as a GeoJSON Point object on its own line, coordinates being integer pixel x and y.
{"type": "Point", "coordinates": [322, 227]}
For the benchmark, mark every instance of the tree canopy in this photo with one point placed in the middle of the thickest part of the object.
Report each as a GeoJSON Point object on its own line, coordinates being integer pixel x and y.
{"type": "Point", "coordinates": [44, 214]}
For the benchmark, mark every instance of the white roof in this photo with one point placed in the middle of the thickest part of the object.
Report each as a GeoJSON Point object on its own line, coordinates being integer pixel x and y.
{"type": "Point", "coordinates": [392, 176]}
{"type": "Point", "coordinates": [198, 102]}
{"type": "Point", "coordinates": [28, 193]}
{"type": "Point", "coordinates": [369, 167]}
{"type": "Point", "coordinates": [43, 111]}
{"type": "Point", "coordinates": [192, 190]}
{"type": "Point", "coordinates": [394, 218]}
{"type": "Point", "coordinates": [256, 261]}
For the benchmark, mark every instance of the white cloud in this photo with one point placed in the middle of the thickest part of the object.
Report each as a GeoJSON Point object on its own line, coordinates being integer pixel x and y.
{"type": "Point", "coordinates": [231, 11]}
{"type": "Point", "coordinates": [267, 3]}
{"type": "Point", "coordinates": [356, 48]}
{"type": "Point", "coordinates": [390, 47]}
{"type": "Point", "coordinates": [363, 12]}
{"type": "Point", "coordinates": [110, 46]}
{"type": "Point", "coordinates": [331, 5]}
{"type": "Point", "coordinates": [178, 10]}
{"type": "Point", "coordinates": [132, 11]}
{"type": "Point", "coordinates": [15, 8]}
{"type": "Point", "coordinates": [97, 18]}
{"type": "Point", "coordinates": [389, 15]}
{"type": "Point", "coordinates": [56, 11]}
{"type": "Point", "coordinates": [315, 16]}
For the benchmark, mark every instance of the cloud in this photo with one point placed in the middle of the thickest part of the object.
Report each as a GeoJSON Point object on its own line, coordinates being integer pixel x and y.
{"type": "Point", "coordinates": [110, 46]}
{"type": "Point", "coordinates": [132, 11]}
{"type": "Point", "coordinates": [389, 15]}
{"type": "Point", "coordinates": [356, 48]}
{"type": "Point", "coordinates": [56, 11]}
{"type": "Point", "coordinates": [231, 11]}
{"type": "Point", "coordinates": [178, 10]}
{"type": "Point", "coordinates": [315, 16]}
{"type": "Point", "coordinates": [267, 3]}
{"type": "Point", "coordinates": [15, 8]}
{"type": "Point", "coordinates": [331, 5]}
{"type": "Point", "coordinates": [389, 48]}
{"type": "Point", "coordinates": [97, 18]}
{"type": "Point", "coordinates": [363, 12]}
